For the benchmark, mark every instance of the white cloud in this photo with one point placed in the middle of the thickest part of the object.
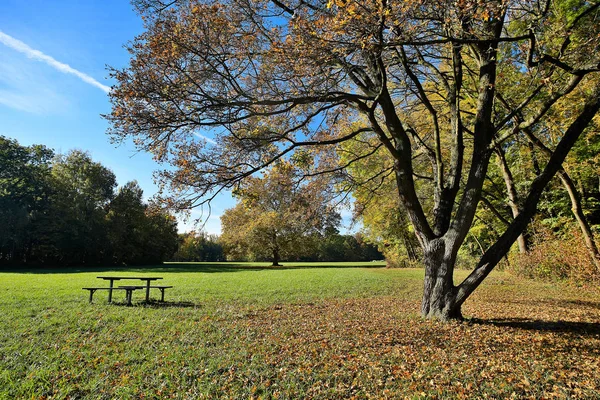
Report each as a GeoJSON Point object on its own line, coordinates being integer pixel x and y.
{"type": "Point", "coordinates": [21, 47]}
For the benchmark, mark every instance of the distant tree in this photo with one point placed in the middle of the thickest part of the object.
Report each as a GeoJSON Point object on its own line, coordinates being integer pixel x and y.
{"type": "Point", "coordinates": [139, 233]}
{"type": "Point", "coordinates": [335, 247]}
{"type": "Point", "coordinates": [329, 246]}
{"type": "Point", "coordinates": [368, 251]}
{"type": "Point", "coordinates": [62, 210]}
{"type": "Point", "coordinates": [125, 224]}
{"type": "Point", "coordinates": [159, 238]}
{"type": "Point", "coordinates": [275, 216]}
{"type": "Point", "coordinates": [83, 189]}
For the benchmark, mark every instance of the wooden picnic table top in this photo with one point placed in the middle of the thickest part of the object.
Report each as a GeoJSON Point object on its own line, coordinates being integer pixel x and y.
{"type": "Point", "coordinates": [116, 278]}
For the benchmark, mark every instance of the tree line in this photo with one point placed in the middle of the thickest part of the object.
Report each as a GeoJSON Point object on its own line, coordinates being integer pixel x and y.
{"type": "Point", "coordinates": [66, 209]}
{"type": "Point", "coordinates": [332, 246]}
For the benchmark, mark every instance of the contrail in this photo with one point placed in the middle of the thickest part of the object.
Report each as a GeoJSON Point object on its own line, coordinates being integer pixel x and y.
{"type": "Point", "coordinates": [201, 136]}
{"type": "Point", "coordinates": [38, 55]}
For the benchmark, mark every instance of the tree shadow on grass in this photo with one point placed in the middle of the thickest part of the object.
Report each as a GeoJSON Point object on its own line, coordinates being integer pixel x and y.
{"type": "Point", "coordinates": [567, 303]}
{"type": "Point", "coordinates": [159, 304]}
{"type": "Point", "coordinates": [184, 268]}
{"type": "Point", "coordinates": [580, 328]}
{"type": "Point", "coordinates": [570, 303]}
{"type": "Point", "coordinates": [170, 304]}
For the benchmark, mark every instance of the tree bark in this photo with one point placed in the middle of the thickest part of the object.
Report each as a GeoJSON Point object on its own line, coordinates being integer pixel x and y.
{"type": "Point", "coordinates": [276, 257]}
{"type": "Point", "coordinates": [439, 293]}
{"type": "Point", "coordinates": [275, 250]}
{"type": "Point", "coordinates": [407, 238]}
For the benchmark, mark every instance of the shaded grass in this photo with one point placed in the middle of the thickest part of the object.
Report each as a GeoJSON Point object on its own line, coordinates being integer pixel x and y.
{"type": "Point", "coordinates": [174, 267]}
{"type": "Point", "coordinates": [300, 332]}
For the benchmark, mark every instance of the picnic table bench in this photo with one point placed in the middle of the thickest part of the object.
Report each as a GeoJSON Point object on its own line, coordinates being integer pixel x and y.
{"type": "Point", "coordinates": [161, 288]}
{"type": "Point", "coordinates": [128, 289]}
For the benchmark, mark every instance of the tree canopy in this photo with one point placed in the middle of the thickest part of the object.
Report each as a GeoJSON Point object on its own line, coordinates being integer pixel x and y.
{"type": "Point", "coordinates": [436, 86]}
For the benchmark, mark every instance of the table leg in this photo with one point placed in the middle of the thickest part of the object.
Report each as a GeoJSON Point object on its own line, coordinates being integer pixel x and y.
{"type": "Point", "coordinates": [110, 289]}
{"type": "Point", "coordinates": [128, 296]}
{"type": "Point", "coordinates": [91, 294]}
{"type": "Point", "coordinates": [162, 294]}
{"type": "Point", "coordinates": [147, 291]}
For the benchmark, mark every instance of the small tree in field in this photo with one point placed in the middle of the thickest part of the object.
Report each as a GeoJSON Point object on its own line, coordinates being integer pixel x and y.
{"type": "Point", "coordinates": [443, 81]}
{"type": "Point", "coordinates": [275, 217]}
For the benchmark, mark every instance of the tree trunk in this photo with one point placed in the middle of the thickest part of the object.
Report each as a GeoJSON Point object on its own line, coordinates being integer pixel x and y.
{"type": "Point", "coordinates": [439, 294]}
{"type": "Point", "coordinates": [588, 236]}
{"type": "Point", "coordinates": [407, 238]}
{"type": "Point", "coordinates": [275, 249]}
{"type": "Point", "coordinates": [410, 248]}
{"type": "Point", "coordinates": [513, 197]}
{"type": "Point", "coordinates": [276, 257]}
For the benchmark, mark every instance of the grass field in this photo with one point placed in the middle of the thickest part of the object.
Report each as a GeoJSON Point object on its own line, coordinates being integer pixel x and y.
{"type": "Point", "coordinates": [302, 331]}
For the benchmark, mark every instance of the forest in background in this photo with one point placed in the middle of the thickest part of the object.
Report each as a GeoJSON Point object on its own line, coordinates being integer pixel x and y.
{"type": "Point", "coordinates": [332, 246]}
{"type": "Point", "coordinates": [66, 209]}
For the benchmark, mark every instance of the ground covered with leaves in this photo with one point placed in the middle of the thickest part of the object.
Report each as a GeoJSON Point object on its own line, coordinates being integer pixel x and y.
{"type": "Point", "coordinates": [296, 333]}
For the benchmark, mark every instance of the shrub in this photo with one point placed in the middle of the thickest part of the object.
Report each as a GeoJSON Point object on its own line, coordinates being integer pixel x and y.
{"type": "Point", "coordinates": [553, 258]}
{"type": "Point", "coordinates": [396, 256]}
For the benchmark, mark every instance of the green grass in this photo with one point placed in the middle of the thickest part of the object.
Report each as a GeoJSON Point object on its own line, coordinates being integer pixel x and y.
{"type": "Point", "coordinates": [311, 330]}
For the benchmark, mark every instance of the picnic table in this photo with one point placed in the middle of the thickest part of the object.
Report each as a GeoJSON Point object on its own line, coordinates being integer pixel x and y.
{"type": "Point", "coordinates": [118, 278]}
{"type": "Point", "coordinates": [128, 289]}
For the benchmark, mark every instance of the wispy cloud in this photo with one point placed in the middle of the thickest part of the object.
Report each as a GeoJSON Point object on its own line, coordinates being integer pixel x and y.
{"type": "Point", "coordinates": [42, 102]}
{"type": "Point", "coordinates": [24, 88]}
{"type": "Point", "coordinates": [201, 136]}
{"type": "Point", "coordinates": [21, 47]}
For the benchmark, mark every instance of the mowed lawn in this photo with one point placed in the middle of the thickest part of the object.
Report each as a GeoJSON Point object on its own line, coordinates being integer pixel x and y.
{"type": "Point", "coordinates": [244, 331]}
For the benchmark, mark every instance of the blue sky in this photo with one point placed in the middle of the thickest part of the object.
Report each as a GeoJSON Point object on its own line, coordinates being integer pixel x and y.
{"type": "Point", "coordinates": [53, 82]}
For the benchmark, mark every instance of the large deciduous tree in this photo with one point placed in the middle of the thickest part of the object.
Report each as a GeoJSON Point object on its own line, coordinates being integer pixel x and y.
{"type": "Point", "coordinates": [443, 81]}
